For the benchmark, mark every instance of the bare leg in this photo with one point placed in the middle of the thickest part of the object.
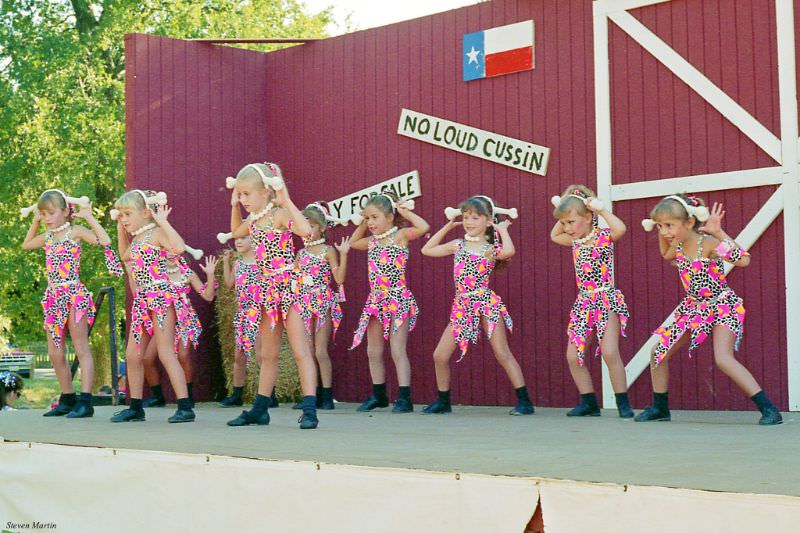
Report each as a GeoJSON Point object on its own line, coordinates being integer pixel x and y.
{"type": "Point", "coordinates": [239, 368]}
{"type": "Point", "coordinates": [302, 349]}
{"type": "Point", "coordinates": [503, 354]}
{"type": "Point", "coordinates": [580, 374]}
{"type": "Point", "coordinates": [135, 364]}
{"type": "Point", "coordinates": [79, 333]}
{"type": "Point", "coordinates": [185, 360]}
{"type": "Point", "coordinates": [397, 345]}
{"type": "Point", "coordinates": [151, 374]}
{"type": "Point", "coordinates": [59, 362]}
{"type": "Point", "coordinates": [724, 340]}
{"type": "Point", "coordinates": [660, 374]}
{"type": "Point", "coordinates": [377, 368]}
{"type": "Point", "coordinates": [609, 347]}
{"type": "Point", "coordinates": [441, 359]}
{"type": "Point", "coordinates": [165, 339]}
{"type": "Point", "coordinates": [270, 351]}
{"type": "Point", "coordinates": [321, 339]}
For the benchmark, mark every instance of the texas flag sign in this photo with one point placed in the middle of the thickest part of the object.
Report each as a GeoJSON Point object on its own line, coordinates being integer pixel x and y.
{"type": "Point", "coordinates": [498, 51]}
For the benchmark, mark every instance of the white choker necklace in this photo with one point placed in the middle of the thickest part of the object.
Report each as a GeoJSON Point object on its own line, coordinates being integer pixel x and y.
{"type": "Point", "coordinates": [61, 228]}
{"type": "Point", "coordinates": [586, 239]}
{"type": "Point", "coordinates": [146, 227]}
{"type": "Point", "coordinates": [470, 238]}
{"type": "Point", "coordinates": [262, 213]}
{"type": "Point", "coordinates": [308, 244]}
{"type": "Point", "coordinates": [388, 233]}
{"type": "Point", "coordinates": [172, 270]}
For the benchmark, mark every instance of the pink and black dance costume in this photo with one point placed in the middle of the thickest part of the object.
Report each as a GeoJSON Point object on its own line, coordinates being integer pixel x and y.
{"type": "Point", "coordinates": [597, 296]}
{"type": "Point", "coordinates": [247, 320]}
{"type": "Point", "coordinates": [154, 293]}
{"type": "Point", "coordinates": [391, 303]}
{"type": "Point", "coordinates": [474, 299]}
{"type": "Point", "coordinates": [709, 302]}
{"type": "Point", "coordinates": [313, 295]}
{"type": "Point", "coordinates": [274, 251]}
{"type": "Point", "coordinates": [593, 257]}
{"type": "Point", "coordinates": [65, 293]}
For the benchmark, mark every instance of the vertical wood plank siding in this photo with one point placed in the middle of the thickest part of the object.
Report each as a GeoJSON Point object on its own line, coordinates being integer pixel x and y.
{"type": "Point", "coordinates": [327, 112]}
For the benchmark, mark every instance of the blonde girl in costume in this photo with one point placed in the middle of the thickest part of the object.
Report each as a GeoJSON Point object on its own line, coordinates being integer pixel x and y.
{"type": "Point", "coordinates": [692, 236]}
{"type": "Point", "coordinates": [599, 309]}
{"type": "Point", "coordinates": [67, 301]}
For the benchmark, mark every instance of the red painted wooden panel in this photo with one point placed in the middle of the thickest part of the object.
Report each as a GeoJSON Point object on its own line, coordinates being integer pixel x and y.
{"type": "Point", "coordinates": [327, 112]}
{"type": "Point", "coordinates": [194, 112]}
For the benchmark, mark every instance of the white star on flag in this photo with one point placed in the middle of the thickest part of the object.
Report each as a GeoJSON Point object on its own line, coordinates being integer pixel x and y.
{"type": "Point", "coordinates": [473, 56]}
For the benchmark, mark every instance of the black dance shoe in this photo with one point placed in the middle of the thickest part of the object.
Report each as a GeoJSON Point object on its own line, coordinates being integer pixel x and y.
{"type": "Point", "coordinates": [231, 401]}
{"type": "Point", "coordinates": [584, 409]}
{"type": "Point", "coordinates": [308, 420]}
{"type": "Point", "coordinates": [653, 414]}
{"type": "Point", "coordinates": [81, 410]}
{"type": "Point", "coordinates": [59, 410]}
{"type": "Point", "coordinates": [182, 415]}
{"type": "Point", "coordinates": [154, 401]}
{"type": "Point", "coordinates": [403, 405]}
{"type": "Point", "coordinates": [373, 403]}
{"type": "Point", "coordinates": [770, 417]}
{"type": "Point", "coordinates": [437, 408]}
{"type": "Point", "coordinates": [522, 408]}
{"type": "Point", "coordinates": [128, 415]}
{"type": "Point", "coordinates": [247, 418]}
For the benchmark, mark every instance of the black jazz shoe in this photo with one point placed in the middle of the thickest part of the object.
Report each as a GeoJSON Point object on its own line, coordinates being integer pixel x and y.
{"type": "Point", "coordinates": [247, 418]}
{"type": "Point", "coordinates": [128, 415]}
{"type": "Point", "coordinates": [81, 410]}
{"type": "Point", "coordinates": [522, 408]}
{"type": "Point", "coordinates": [154, 401]}
{"type": "Point", "coordinates": [770, 417]}
{"type": "Point", "coordinates": [308, 420]}
{"type": "Point", "coordinates": [373, 403]}
{"type": "Point", "coordinates": [653, 414]}
{"type": "Point", "coordinates": [584, 409]}
{"type": "Point", "coordinates": [59, 410]}
{"type": "Point", "coordinates": [181, 415]}
{"type": "Point", "coordinates": [231, 401]}
{"type": "Point", "coordinates": [437, 408]}
{"type": "Point", "coordinates": [403, 405]}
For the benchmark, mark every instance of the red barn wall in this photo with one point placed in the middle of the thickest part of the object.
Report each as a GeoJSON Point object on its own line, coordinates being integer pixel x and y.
{"type": "Point", "coordinates": [328, 112]}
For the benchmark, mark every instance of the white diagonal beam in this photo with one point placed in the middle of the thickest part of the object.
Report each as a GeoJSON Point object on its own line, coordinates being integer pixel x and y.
{"type": "Point", "coordinates": [749, 235]}
{"type": "Point", "coordinates": [610, 6]}
{"type": "Point", "coordinates": [787, 94]}
{"type": "Point", "coordinates": [704, 87]}
{"type": "Point", "coordinates": [737, 179]}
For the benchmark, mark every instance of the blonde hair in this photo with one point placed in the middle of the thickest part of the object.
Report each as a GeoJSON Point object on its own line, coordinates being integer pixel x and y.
{"type": "Point", "coordinates": [130, 200]}
{"type": "Point", "coordinates": [255, 172]}
{"type": "Point", "coordinates": [672, 208]}
{"type": "Point", "coordinates": [51, 198]}
{"type": "Point", "coordinates": [571, 201]}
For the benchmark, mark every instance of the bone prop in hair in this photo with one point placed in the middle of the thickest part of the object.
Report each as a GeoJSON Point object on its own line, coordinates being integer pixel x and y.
{"type": "Point", "coordinates": [114, 214]}
{"type": "Point", "coordinates": [510, 212]}
{"type": "Point", "coordinates": [83, 201]}
{"type": "Point", "coordinates": [224, 237]}
{"type": "Point", "coordinates": [592, 203]}
{"type": "Point", "coordinates": [194, 252]}
{"type": "Point", "coordinates": [699, 212]}
{"type": "Point", "coordinates": [452, 212]}
{"type": "Point", "coordinates": [357, 219]}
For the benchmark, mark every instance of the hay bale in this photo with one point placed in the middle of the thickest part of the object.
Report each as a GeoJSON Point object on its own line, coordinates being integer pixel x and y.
{"type": "Point", "coordinates": [287, 386]}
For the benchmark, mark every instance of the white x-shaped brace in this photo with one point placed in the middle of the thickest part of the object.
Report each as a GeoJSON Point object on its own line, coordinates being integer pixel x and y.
{"type": "Point", "coordinates": [786, 175]}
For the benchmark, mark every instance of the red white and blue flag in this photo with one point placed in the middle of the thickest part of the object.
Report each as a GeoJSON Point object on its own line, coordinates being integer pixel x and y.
{"type": "Point", "coordinates": [498, 51]}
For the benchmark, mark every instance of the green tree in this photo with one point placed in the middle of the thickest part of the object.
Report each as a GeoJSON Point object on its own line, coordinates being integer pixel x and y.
{"type": "Point", "coordinates": [62, 110]}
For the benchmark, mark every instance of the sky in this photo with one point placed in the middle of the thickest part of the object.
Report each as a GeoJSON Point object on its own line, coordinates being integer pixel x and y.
{"type": "Point", "coordinates": [372, 13]}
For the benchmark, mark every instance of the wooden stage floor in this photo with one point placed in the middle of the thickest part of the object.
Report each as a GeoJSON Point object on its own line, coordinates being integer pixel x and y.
{"type": "Point", "coordinates": [708, 450]}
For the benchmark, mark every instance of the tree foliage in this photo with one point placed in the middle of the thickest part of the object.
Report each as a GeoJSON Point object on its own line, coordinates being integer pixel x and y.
{"type": "Point", "coordinates": [62, 111]}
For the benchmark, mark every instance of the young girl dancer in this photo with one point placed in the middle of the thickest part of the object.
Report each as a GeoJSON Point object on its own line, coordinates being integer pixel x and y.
{"type": "Point", "coordinates": [143, 215]}
{"type": "Point", "coordinates": [315, 301]}
{"type": "Point", "coordinates": [693, 237]}
{"type": "Point", "coordinates": [11, 386]}
{"type": "Point", "coordinates": [66, 300]}
{"type": "Point", "coordinates": [259, 187]}
{"type": "Point", "coordinates": [485, 243]}
{"type": "Point", "coordinates": [599, 310]}
{"type": "Point", "coordinates": [391, 311]}
{"type": "Point", "coordinates": [246, 277]}
{"type": "Point", "coordinates": [187, 323]}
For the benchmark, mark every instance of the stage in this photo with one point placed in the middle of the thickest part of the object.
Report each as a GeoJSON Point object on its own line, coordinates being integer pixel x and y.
{"type": "Point", "coordinates": [383, 463]}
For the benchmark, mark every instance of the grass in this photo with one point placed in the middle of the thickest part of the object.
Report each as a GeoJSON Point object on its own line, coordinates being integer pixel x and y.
{"type": "Point", "coordinates": [39, 393]}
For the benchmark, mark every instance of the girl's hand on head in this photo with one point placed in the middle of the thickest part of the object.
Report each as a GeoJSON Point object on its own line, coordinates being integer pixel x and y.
{"type": "Point", "coordinates": [37, 216]}
{"type": "Point", "coordinates": [402, 209]}
{"type": "Point", "coordinates": [344, 246]}
{"type": "Point", "coordinates": [161, 214]}
{"type": "Point", "coordinates": [500, 226]}
{"type": "Point", "coordinates": [226, 256]}
{"type": "Point", "coordinates": [281, 196]}
{"type": "Point", "coordinates": [589, 206]}
{"type": "Point", "coordinates": [210, 265]}
{"type": "Point", "coordinates": [121, 228]}
{"type": "Point", "coordinates": [453, 224]}
{"type": "Point", "coordinates": [234, 198]}
{"type": "Point", "coordinates": [714, 223]}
